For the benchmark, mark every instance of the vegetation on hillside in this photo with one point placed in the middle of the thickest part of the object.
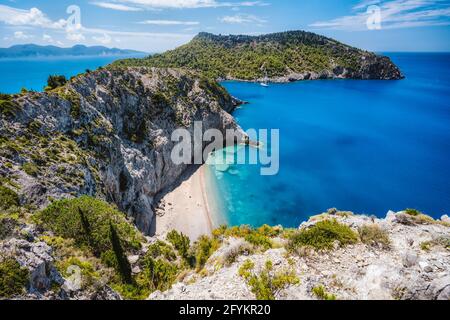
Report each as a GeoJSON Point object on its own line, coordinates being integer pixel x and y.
{"type": "Point", "coordinates": [250, 58]}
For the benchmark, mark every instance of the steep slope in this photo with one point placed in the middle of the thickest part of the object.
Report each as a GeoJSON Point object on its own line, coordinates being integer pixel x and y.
{"type": "Point", "coordinates": [107, 134]}
{"type": "Point", "coordinates": [283, 57]}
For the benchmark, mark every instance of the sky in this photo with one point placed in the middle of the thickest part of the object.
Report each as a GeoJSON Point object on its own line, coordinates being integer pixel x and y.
{"type": "Point", "coordinates": [159, 25]}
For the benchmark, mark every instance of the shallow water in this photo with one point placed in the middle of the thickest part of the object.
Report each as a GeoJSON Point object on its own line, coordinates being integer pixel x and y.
{"type": "Point", "coordinates": [363, 146]}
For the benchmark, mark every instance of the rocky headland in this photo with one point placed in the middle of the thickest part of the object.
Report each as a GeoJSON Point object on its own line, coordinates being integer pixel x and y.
{"type": "Point", "coordinates": [278, 57]}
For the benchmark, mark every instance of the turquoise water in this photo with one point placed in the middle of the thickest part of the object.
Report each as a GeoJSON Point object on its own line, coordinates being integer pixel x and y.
{"type": "Point", "coordinates": [32, 73]}
{"type": "Point", "coordinates": [363, 146]}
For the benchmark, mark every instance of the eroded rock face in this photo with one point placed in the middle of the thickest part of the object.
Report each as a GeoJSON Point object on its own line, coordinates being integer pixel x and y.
{"type": "Point", "coordinates": [108, 134]}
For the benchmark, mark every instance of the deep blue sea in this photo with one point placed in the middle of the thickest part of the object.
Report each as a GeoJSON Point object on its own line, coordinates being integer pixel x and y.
{"type": "Point", "coordinates": [32, 73]}
{"type": "Point", "coordinates": [363, 146]}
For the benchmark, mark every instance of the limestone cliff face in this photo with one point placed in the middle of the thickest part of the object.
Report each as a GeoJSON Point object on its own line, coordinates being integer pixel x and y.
{"type": "Point", "coordinates": [108, 134]}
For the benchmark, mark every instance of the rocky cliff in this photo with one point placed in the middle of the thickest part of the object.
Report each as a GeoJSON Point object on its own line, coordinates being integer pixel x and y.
{"type": "Point", "coordinates": [278, 57]}
{"type": "Point", "coordinates": [405, 256]}
{"type": "Point", "coordinates": [106, 134]}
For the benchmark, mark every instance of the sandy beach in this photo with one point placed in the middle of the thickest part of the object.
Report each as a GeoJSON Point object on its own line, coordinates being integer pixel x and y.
{"type": "Point", "coordinates": [185, 207]}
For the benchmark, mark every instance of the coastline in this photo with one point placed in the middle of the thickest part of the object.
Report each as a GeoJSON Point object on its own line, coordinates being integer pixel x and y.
{"type": "Point", "coordinates": [185, 207]}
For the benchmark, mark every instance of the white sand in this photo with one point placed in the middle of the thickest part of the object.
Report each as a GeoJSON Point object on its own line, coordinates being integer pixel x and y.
{"type": "Point", "coordinates": [185, 208]}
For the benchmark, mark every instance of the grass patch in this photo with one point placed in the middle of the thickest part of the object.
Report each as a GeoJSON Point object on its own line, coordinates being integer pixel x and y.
{"type": "Point", "coordinates": [441, 241]}
{"type": "Point", "coordinates": [373, 235]}
{"type": "Point", "coordinates": [31, 169]}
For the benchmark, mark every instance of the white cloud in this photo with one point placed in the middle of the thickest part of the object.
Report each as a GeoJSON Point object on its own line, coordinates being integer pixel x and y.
{"type": "Point", "coordinates": [242, 19]}
{"type": "Point", "coordinates": [394, 14]}
{"type": "Point", "coordinates": [115, 6]}
{"type": "Point", "coordinates": [32, 17]}
{"type": "Point", "coordinates": [189, 4]}
{"type": "Point", "coordinates": [75, 36]}
{"type": "Point", "coordinates": [21, 35]}
{"type": "Point", "coordinates": [105, 39]}
{"type": "Point", "coordinates": [47, 38]}
{"type": "Point", "coordinates": [170, 23]}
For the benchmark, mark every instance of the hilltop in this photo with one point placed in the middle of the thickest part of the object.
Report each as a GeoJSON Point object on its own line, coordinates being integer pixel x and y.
{"type": "Point", "coordinates": [282, 57]}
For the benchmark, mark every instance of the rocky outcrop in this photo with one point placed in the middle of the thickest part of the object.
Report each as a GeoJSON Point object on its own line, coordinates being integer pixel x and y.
{"type": "Point", "coordinates": [108, 134]}
{"type": "Point", "coordinates": [415, 265]}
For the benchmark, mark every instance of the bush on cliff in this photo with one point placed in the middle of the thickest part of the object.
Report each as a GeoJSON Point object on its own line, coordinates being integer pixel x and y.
{"type": "Point", "coordinates": [260, 237]}
{"type": "Point", "coordinates": [87, 221]}
{"type": "Point", "coordinates": [8, 198]}
{"type": "Point", "coordinates": [322, 236]}
{"type": "Point", "coordinates": [268, 283]}
{"type": "Point", "coordinates": [373, 235]}
{"type": "Point", "coordinates": [13, 278]}
{"type": "Point", "coordinates": [181, 243]}
{"type": "Point", "coordinates": [55, 81]}
{"type": "Point", "coordinates": [203, 249]}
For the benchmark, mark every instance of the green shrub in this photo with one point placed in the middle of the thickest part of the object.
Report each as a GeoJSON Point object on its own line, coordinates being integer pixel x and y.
{"type": "Point", "coordinates": [413, 212]}
{"type": "Point", "coordinates": [161, 249]}
{"type": "Point", "coordinates": [55, 81]}
{"type": "Point", "coordinates": [203, 249]}
{"type": "Point", "coordinates": [8, 198]}
{"type": "Point", "coordinates": [63, 218]}
{"type": "Point", "coordinates": [374, 235]}
{"type": "Point", "coordinates": [322, 236]}
{"type": "Point", "coordinates": [13, 278]}
{"type": "Point", "coordinates": [182, 244]}
{"type": "Point", "coordinates": [267, 284]}
{"type": "Point", "coordinates": [89, 276]}
{"type": "Point", "coordinates": [320, 293]}
{"type": "Point", "coordinates": [260, 237]}
{"type": "Point", "coordinates": [7, 226]}
{"type": "Point", "coordinates": [157, 274]}
{"type": "Point", "coordinates": [30, 169]}
{"type": "Point", "coordinates": [8, 107]}
{"type": "Point", "coordinates": [246, 268]}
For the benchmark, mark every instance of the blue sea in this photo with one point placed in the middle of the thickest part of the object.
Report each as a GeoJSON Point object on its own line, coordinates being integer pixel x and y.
{"type": "Point", "coordinates": [362, 146]}
{"type": "Point", "coordinates": [32, 73]}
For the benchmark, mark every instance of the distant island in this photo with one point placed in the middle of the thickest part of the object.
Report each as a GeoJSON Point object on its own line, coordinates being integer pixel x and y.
{"type": "Point", "coordinates": [278, 57]}
{"type": "Point", "coordinates": [33, 50]}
